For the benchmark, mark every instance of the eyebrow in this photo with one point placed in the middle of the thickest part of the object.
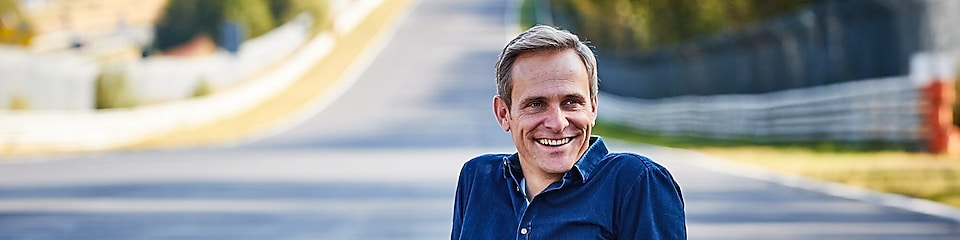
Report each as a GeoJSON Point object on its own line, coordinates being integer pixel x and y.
{"type": "Point", "coordinates": [525, 101]}
{"type": "Point", "coordinates": [577, 96]}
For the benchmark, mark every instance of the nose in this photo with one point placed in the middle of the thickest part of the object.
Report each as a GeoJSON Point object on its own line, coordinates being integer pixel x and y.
{"type": "Point", "coordinates": [555, 120]}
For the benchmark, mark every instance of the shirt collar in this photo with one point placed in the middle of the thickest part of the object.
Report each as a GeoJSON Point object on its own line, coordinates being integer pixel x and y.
{"type": "Point", "coordinates": [592, 158]}
{"type": "Point", "coordinates": [584, 167]}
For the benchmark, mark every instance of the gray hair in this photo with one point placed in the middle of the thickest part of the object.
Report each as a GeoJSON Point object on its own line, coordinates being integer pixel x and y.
{"type": "Point", "coordinates": [538, 39]}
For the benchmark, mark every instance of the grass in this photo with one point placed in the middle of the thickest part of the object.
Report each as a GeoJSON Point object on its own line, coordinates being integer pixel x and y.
{"type": "Point", "coordinates": [920, 175]}
{"type": "Point", "coordinates": [202, 88]}
{"type": "Point", "coordinates": [19, 102]}
{"type": "Point", "coordinates": [613, 130]}
{"type": "Point", "coordinates": [113, 90]}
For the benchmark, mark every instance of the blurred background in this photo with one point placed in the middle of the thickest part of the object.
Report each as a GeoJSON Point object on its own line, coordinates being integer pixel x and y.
{"type": "Point", "coordinates": [868, 81]}
{"type": "Point", "coordinates": [287, 113]}
{"type": "Point", "coordinates": [83, 55]}
{"type": "Point", "coordinates": [848, 73]}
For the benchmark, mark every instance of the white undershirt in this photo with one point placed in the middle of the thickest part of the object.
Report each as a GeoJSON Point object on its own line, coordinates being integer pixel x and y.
{"type": "Point", "coordinates": [523, 190]}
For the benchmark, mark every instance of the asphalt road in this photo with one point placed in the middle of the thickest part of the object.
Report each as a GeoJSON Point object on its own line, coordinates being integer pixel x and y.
{"type": "Point", "coordinates": [381, 162]}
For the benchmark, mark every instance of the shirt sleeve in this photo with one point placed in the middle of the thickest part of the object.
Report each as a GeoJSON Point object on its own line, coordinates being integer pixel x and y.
{"type": "Point", "coordinates": [460, 204]}
{"type": "Point", "coordinates": [653, 207]}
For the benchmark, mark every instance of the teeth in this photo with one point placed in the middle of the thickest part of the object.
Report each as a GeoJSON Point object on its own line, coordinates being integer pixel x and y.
{"type": "Point", "coordinates": [554, 142]}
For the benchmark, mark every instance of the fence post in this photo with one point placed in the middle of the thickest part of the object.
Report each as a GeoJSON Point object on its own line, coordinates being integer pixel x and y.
{"type": "Point", "coordinates": [942, 136]}
{"type": "Point", "coordinates": [934, 72]}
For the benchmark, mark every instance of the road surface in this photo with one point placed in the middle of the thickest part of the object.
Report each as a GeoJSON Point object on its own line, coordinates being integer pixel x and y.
{"type": "Point", "coordinates": [381, 162]}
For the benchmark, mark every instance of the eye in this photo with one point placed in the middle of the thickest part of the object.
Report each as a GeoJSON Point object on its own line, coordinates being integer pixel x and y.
{"type": "Point", "coordinates": [535, 104]}
{"type": "Point", "coordinates": [571, 102]}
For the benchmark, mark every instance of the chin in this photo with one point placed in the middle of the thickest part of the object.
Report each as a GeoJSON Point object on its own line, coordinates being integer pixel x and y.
{"type": "Point", "coordinates": [557, 165]}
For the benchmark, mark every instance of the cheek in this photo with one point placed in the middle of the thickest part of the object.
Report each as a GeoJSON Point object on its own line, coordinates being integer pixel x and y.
{"type": "Point", "coordinates": [583, 120]}
{"type": "Point", "coordinates": [526, 122]}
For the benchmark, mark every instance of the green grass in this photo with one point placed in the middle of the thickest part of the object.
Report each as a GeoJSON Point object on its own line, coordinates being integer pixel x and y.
{"type": "Point", "coordinates": [921, 175]}
{"type": "Point", "coordinates": [614, 130]}
{"type": "Point", "coordinates": [113, 90]}
{"type": "Point", "coordinates": [202, 88]}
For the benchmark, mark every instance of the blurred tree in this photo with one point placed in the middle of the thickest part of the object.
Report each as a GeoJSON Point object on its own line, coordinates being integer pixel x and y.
{"type": "Point", "coordinates": [279, 10]}
{"type": "Point", "coordinates": [253, 15]}
{"type": "Point", "coordinates": [285, 10]}
{"type": "Point", "coordinates": [183, 20]}
{"type": "Point", "coordinates": [647, 24]}
{"type": "Point", "coordinates": [14, 28]}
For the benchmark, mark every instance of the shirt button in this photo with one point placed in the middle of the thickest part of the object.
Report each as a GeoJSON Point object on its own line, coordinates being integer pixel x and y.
{"type": "Point", "coordinates": [523, 231]}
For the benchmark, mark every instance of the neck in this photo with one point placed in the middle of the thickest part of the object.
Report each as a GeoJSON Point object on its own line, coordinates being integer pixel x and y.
{"type": "Point", "coordinates": [536, 182]}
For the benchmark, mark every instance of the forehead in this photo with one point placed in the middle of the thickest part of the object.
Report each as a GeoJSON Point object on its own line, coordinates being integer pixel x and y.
{"type": "Point", "coordinates": [545, 73]}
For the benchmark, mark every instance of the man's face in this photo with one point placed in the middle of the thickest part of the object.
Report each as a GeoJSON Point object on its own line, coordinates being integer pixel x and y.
{"type": "Point", "coordinates": [552, 111]}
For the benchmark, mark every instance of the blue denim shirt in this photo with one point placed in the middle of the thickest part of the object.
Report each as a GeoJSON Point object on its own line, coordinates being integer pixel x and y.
{"type": "Point", "coordinates": [605, 196]}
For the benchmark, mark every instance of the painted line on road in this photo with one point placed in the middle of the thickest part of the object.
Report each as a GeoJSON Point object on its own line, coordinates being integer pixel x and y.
{"type": "Point", "coordinates": [751, 230]}
{"type": "Point", "coordinates": [115, 205]}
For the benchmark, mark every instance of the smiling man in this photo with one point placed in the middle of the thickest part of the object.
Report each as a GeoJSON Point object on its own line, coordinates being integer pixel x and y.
{"type": "Point", "coordinates": [562, 183]}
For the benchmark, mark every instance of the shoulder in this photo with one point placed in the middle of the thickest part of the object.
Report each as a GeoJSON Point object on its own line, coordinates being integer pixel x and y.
{"type": "Point", "coordinates": [485, 161]}
{"type": "Point", "coordinates": [483, 164]}
{"type": "Point", "coordinates": [636, 168]}
{"type": "Point", "coordinates": [649, 202]}
{"type": "Point", "coordinates": [640, 176]}
{"type": "Point", "coordinates": [632, 162]}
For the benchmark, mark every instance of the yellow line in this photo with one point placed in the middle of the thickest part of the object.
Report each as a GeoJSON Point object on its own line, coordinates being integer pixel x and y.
{"type": "Point", "coordinates": [312, 86]}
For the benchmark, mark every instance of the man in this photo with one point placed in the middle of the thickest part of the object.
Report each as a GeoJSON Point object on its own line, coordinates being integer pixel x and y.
{"type": "Point", "coordinates": [562, 183]}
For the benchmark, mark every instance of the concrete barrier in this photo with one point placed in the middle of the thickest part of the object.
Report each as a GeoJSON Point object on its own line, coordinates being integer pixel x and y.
{"type": "Point", "coordinates": [58, 80]}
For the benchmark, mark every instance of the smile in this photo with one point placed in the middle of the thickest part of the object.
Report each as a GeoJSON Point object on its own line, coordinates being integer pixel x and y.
{"type": "Point", "coordinates": [554, 142]}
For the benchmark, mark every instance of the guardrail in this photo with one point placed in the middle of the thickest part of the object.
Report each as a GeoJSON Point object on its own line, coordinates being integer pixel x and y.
{"type": "Point", "coordinates": [914, 112]}
{"type": "Point", "coordinates": [88, 130]}
{"type": "Point", "coordinates": [884, 109]}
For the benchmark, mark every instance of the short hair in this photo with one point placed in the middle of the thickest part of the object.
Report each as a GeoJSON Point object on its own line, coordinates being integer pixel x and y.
{"type": "Point", "coordinates": [541, 38]}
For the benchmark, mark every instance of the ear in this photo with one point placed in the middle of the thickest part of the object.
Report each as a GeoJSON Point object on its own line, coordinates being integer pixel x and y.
{"type": "Point", "coordinates": [593, 110]}
{"type": "Point", "coordinates": [502, 112]}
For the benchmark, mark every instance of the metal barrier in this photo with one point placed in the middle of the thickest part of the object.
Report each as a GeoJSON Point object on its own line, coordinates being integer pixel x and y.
{"type": "Point", "coordinates": [912, 112]}
{"type": "Point", "coordinates": [880, 109]}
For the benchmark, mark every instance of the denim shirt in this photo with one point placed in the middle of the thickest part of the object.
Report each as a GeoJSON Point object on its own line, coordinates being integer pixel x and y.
{"type": "Point", "coordinates": [605, 196]}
